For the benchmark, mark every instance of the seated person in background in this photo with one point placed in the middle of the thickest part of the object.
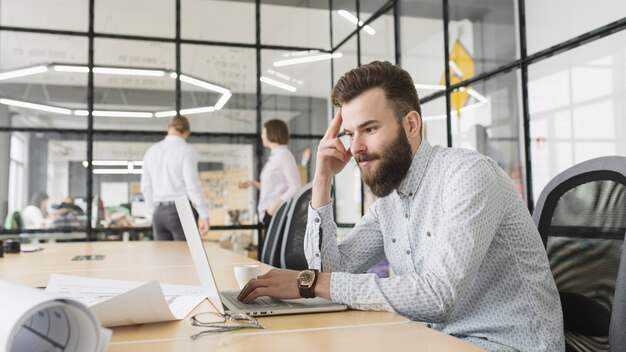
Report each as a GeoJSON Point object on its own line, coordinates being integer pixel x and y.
{"type": "Point", "coordinates": [468, 257]}
{"type": "Point", "coordinates": [35, 215]}
{"type": "Point", "coordinates": [68, 207]}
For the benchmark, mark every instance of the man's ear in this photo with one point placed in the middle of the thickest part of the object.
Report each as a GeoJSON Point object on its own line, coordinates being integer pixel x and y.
{"type": "Point", "coordinates": [412, 124]}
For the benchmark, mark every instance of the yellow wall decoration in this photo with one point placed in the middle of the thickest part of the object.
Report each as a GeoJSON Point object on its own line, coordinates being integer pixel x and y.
{"type": "Point", "coordinates": [464, 70]}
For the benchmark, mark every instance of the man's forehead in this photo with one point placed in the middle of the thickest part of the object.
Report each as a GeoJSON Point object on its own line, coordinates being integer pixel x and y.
{"type": "Point", "coordinates": [370, 106]}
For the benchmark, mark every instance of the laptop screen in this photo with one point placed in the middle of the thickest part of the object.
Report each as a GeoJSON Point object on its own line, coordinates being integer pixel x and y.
{"type": "Point", "coordinates": [198, 254]}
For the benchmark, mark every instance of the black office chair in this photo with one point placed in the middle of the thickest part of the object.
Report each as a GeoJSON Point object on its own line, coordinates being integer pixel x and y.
{"type": "Point", "coordinates": [581, 216]}
{"type": "Point", "coordinates": [270, 253]}
{"type": "Point", "coordinates": [292, 249]}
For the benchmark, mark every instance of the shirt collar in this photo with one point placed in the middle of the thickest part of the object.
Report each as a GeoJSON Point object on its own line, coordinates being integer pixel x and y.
{"type": "Point", "coordinates": [171, 137]}
{"type": "Point", "coordinates": [413, 178]}
{"type": "Point", "coordinates": [277, 149]}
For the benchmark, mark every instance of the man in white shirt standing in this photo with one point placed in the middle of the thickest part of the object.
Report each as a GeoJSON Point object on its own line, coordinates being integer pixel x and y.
{"type": "Point", "coordinates": [170, 170]}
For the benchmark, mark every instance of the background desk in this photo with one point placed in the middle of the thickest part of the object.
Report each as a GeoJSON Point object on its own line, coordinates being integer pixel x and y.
{"type": "Point", "coordinates": [170, 262]}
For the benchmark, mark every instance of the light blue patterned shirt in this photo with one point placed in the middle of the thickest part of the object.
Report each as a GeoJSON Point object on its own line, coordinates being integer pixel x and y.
{"type": "Point", "coordinates": [468, 258]}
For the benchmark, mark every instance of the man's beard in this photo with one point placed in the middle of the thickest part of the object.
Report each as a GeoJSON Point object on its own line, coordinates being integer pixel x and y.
{"type": "Point", "coordinates": [393, 164]}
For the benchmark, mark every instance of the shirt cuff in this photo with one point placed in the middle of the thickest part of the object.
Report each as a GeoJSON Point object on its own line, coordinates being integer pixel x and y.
{"type": "Point", "coordinates": [312, 238]}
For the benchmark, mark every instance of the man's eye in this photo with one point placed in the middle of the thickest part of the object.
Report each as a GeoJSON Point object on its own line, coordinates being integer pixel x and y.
{"type": "Point", "coordinates": [370, 129]}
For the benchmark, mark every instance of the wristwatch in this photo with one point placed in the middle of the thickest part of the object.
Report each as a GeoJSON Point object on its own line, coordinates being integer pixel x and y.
{"type": "Point", "coordinates": [306, 282]}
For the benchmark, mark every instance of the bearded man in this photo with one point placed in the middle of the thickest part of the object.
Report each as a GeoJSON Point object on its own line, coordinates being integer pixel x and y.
{"type": "Point", "coordinates": [468, 259]}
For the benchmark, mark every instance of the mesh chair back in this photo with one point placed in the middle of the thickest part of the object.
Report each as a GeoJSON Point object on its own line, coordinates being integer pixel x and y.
{"type": "Point", "coordinates": [270, 254]}
{"type": "Point", "coordinates": [292, 251]}
{"type": "Point", "coordinates": [581, 216]}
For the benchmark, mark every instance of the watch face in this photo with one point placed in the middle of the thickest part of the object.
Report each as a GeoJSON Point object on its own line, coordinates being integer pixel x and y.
{"type": "Point", "coordinates": [306, 277]}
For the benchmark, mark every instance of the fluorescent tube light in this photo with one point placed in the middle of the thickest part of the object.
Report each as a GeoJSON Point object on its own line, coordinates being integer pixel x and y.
{"type": "Point", "coordinates": [23, 72]}
{"type": "Point", "coordinates": [106, 113]}
{"type": "Point", "coordinates": [116, 171]}
{"type": "Point", "coordinates": [220, 103]}
{"type": "Point", "coordinates": [455, 68]}
{"type": "Point", "coordinates": [110, 163]}
{"type": "Point", "coordinates": [113, 163]}
{"type": "Point", "coordinates": [169, 113]}
{"type": "Point", "coordinates": [302, 60]}
{"type": "Point", "coordinates": [278, 84]}
{"type": "Point", "coordinates": [429, 86]}
{"type": "Point", "coordinates": [197, 110]}
{"type": "Point", "coordinates": [41, 107]}
{"type": "Point", "coordinates": [203, 84]}
{"type": "Point", "coordinates": [477, 95]}
{"type": "Point", "coordinates": [352, 18]}
{"type": "Point", "coordinates": [69, 68]}
{"type": "Point", "coordinates": [129, 71]}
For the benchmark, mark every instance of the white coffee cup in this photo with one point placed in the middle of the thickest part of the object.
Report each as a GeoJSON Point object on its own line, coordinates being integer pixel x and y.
{"type": "Point", "coordinates": [245, 273]}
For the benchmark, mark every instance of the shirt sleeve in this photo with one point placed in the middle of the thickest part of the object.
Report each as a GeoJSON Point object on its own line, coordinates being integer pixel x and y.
{"type": "Point", "coordinates": [361, 249]}
{"type": "Point", "coordinates": [473, 205]}
{"type": "Point", "coordinates": [292, 176]}
{"type": "Point", "coordinates": [146, 183]}
{"type": "Point", "coordinates": [192, 183]}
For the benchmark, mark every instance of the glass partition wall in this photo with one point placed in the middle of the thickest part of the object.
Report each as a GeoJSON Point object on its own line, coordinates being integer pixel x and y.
{"type": "Point", "coordinates": [81, 102]}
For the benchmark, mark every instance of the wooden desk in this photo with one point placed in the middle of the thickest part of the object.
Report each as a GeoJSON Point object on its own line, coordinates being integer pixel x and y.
{"type": "Point", "coordinates": [170, 262]}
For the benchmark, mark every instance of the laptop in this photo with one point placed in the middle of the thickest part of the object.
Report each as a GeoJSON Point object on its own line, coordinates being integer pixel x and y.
{"type": "Point", "coordinates": [226, 302]}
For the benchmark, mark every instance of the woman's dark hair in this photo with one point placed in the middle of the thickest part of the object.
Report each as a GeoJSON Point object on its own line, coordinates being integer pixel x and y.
{"type": "Point", "coordinates": [37, 198]}
{"type": "Point", "coordinates": [277, 131]}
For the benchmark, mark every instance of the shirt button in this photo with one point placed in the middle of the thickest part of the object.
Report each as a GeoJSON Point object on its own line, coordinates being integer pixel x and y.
{"type": "Point", "coordinates": [429, 325]}
{"type": "Point", "coordinates": [406, 215]}
{"type": "Point", "coordinates": [408, 251]}
{"type": "Point", "coordinates": [428, 233]}
{"type": "Point", "coordinates": [317, 220]}
{"type": "Point", "coordinates": [317, 254]}
{"type": "Point", "coordinates": [410, 194]}
{"type": "Point", "coordinates": [393, 240]}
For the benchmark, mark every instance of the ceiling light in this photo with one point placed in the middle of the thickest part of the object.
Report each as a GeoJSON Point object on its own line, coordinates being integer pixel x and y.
{"type": "Point", "coordinates": [354, 20]}
{"type": "Point", "coordinates": [220, 103]}
{"type": "Point", "coordinates": [68, 68]}
{"type": "Point", "coordinates": [226, 93]}
{"type": "Point", "coordinates": [23, 72]}
{"type": "Point", "coordinates": [169, 113]}
{"type": "Point", "coordinates": [278, 84]}
{"type": "Point", "coordinates": [105, 113]}
{"type": "Point", "coordinates": [129, 71]}
{"type": "Point", "coordinates": [203, 84]}
{"type": "Point", "coordinates": [23, 104]}
{"type": "Point", "coordinates": [429, 86]}
{"type": "Point", "coordinates": [477, 95]}
{"type": "Point", "coordinates": [302, 60]}
{"type": "Point", "coordinates": [457, 71]}
{"type": "Point", "coordinates": [197, 110]}
{"type": "Point", "coordinates": [117, 171]}
{"type": "Point", "coordinates": [110, 163]}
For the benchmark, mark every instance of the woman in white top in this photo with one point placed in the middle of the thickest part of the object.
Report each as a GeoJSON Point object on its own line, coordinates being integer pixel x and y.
{"type": "Point", "coordinates": [34, 215]}
{"type": "Point", "coordinates": [279, 179]}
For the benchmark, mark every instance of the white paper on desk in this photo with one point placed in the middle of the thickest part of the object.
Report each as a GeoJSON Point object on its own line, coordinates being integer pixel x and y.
{"type": "Point", "coordinates": [118, 303]}
{"type": "Point", "coordinates": [36, 321]}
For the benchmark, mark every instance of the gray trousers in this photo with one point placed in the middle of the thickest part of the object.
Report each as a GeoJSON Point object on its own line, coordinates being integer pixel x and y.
{"type": "Point", "coordinates": [166, 224]}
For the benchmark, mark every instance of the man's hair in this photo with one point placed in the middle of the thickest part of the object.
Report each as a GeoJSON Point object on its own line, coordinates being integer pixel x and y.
{"type": "Point", "coordinates": [179, 123]}
{"type": "Point", "coordinates": [394, 81]}
{"type": "Point", "coordinates": [277, 131]}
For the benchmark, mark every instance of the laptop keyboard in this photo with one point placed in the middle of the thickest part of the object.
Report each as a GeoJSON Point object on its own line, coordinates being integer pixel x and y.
{"type": "Point", "coordinates": [261, 302]}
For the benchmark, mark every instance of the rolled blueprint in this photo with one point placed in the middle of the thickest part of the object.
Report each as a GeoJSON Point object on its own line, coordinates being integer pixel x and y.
{"type": "Point", "coordinates": [35, 321]}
